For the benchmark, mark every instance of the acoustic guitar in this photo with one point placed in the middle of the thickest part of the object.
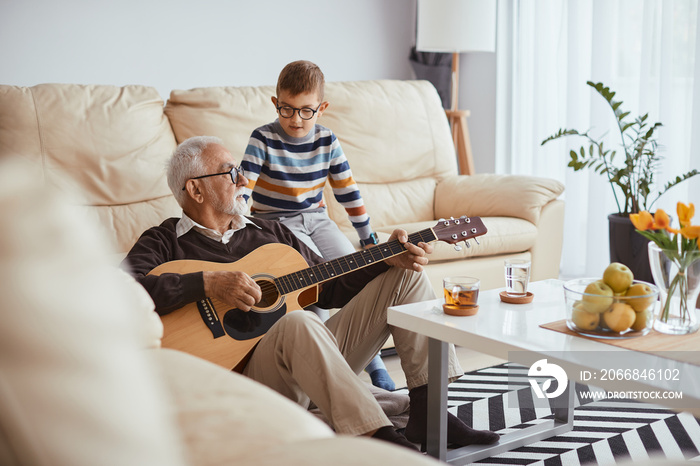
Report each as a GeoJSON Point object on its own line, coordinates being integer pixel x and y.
{"type": "Point", "coordinates": [214, 331]}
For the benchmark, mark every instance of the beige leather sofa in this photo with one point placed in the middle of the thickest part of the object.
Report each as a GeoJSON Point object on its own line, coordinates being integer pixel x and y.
{"type": "Point", "coordinates": [76, 386]}
{"type": "Point", "coordinates": [113, 143]}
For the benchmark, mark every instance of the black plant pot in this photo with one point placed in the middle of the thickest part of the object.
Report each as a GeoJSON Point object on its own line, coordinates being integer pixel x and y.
{"type": "Point", "coordinates": [629, 247]}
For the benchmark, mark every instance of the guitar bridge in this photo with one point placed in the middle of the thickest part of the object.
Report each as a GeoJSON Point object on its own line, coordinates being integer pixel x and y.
{"type": "Point", "coordinates": [210, 318]}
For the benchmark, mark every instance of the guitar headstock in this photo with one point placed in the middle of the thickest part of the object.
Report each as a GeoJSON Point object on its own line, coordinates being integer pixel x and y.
{"type": "Point", "coordinates": [459, 229]}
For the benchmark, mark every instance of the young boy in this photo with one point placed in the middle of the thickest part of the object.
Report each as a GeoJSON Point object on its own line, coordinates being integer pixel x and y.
{"type": "Point", "coordinates": [287, 163]}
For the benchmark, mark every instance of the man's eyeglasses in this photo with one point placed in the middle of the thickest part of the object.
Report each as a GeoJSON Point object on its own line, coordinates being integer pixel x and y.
{"type": "Point", "coordinates": [235, 172]}
{"type": "Point", "coordinates": [304, 113]}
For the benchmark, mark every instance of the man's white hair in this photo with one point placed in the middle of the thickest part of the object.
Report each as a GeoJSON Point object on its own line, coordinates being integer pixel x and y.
{"type": "Point", "coordinates": [186, 162]}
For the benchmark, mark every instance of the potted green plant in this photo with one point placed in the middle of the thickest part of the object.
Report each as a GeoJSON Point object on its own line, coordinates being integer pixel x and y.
{"type": "Point", "coordinates": [631, 177]}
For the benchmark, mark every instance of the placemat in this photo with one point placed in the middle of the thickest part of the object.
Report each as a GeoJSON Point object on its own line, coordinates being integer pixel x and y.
{"type": "Point", "coordinates": [653, 342]}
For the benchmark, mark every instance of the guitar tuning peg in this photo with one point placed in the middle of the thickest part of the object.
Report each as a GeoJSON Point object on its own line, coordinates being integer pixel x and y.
{"type": "Point", "coordinates": [458, 247]}
{"type": "Point", "coordinates": [441, 220]}
{"type": "Point", "coordinates": [466, 242]}
{"type": "Point", "coordinates": [477, 240]}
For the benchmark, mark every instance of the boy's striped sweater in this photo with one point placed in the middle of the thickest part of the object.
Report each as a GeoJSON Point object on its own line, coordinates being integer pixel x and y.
{"type": "Point", "coordinates": [288, 174]}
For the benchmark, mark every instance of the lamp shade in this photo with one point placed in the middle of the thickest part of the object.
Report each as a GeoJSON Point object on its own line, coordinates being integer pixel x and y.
{"type": "Point", "coordinates": [456, 26]}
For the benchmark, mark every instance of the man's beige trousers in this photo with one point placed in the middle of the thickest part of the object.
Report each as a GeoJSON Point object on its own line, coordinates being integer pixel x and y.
{"type": "Point", "coordinates": [304, 360]}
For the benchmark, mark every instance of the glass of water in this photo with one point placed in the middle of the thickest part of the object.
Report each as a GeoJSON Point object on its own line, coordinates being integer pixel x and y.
{"type": "Point", "coordinates": [517, 276]}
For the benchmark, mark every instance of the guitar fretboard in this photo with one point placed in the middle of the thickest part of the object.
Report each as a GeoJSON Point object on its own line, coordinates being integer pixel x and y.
{"type": "Point", "coordinates": [342, 265]}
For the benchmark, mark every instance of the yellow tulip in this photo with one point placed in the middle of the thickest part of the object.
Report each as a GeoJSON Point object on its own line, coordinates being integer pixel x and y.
{"type": "Point", "coordinates": [642, 221]}
{"type": "Point", "coordinates": [685, 213]}
{"type": "Point", "coordinates": [691, 232]}
{"type": "Point", "coordinates": [662, 220]}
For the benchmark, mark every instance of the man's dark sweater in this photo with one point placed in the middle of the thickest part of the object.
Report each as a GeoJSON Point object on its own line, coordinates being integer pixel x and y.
{"type": "Point", "coordinates": [170, 291]}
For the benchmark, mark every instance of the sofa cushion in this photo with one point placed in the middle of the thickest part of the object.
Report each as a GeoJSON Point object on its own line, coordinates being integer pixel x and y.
{"type": "Point", "coordinates": [390, 130]}
{"type": "Point", "coordinates": [112, 142]}
{"type": "Point", "coordinates": [388, 204]}
{"type": "Point", "coordinates": [339, 451]}
{"type": "Point", "coordinates": [149, 326]}
{"type": "Point", "coordinates": [76, 386]}
{"type": "Point", "coordinates": [226, 418]}
{"type": "Point", "coordinates": [490, 195]}
{"type": "Point", "coordinates": [230, 113]}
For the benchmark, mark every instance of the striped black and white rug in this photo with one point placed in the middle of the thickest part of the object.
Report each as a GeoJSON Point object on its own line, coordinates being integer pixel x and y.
{"type": "Point", "coordinates": [605, 431]}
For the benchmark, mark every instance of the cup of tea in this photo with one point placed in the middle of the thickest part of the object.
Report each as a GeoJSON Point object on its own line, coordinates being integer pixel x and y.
{"type": "Point", "coordinates": [461, 295]}
{"type": "Point", "coordinates": [517, 273]}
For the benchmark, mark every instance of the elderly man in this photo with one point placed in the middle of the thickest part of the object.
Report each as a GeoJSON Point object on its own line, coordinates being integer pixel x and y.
{"type": "Point", "coordinates": [300, 357]}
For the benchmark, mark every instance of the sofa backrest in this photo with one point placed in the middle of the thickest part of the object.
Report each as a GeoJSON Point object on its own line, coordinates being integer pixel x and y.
{"type": "Point", "coordinates": [394, 133]}
{"type": "Point", "coordinates": [111, 142]}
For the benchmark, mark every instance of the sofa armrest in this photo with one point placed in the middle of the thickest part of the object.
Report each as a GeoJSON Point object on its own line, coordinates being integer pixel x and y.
{"type": "Point", "coordinates": [491, 195]}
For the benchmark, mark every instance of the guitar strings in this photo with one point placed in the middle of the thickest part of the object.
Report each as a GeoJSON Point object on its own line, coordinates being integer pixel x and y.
{"type": "Point", "coordinates": [327, 270]}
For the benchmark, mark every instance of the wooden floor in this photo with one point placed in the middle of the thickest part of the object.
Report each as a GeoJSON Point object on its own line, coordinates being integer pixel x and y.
{"type": "Point", "coordinates": [469, 360]}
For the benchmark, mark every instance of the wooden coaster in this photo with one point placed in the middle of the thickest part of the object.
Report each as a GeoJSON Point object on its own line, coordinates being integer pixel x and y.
{"type": "Point", "coordinates": [516, 299]}
{"type": "Point", "coordinates": [460, 310]}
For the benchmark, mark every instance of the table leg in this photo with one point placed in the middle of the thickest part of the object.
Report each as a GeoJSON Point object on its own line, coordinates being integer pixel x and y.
{"type": "Point", "coordinates": [436, 442]}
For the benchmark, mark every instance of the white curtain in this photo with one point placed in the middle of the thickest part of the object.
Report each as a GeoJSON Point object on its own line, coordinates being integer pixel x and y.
{"type": "Point", "coordinates": [646, 51]}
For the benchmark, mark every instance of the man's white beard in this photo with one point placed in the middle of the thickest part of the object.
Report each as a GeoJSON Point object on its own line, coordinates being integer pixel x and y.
{"type": "Point", "coordinates": [234, 206]}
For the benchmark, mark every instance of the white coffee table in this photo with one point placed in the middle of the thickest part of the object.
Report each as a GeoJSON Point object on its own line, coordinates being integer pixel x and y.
{"type": "Point", "coordinates": [510, 332]}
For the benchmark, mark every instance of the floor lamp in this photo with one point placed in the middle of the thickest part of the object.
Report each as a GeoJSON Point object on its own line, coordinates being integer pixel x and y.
{"type": "Point", "coordinates": [457, 26]}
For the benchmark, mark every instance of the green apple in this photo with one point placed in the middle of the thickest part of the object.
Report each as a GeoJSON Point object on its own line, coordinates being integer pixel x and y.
{"type": "Point", "coordinates": [643, 318]}
{"type": "Point", "coordinates": [619, 317]}
{"type": "Point", "coordinates": [640, 289]}
{"type": "Point", "coordinates": [618, 277]}
{"type": "Point", "coordinates": [583, 319]}
{"type": "Point", "coordinates": [598, 297]}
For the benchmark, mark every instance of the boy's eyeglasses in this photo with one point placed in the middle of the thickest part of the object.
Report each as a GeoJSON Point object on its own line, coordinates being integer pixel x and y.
{"type": "Point", "coordinates": [235, 172]}
{"type": "Point", "coordinates": [304, 113]}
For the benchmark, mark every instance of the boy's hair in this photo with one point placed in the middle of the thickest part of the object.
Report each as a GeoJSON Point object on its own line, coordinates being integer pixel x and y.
{"type": "Point", "coordinates": [300, 77]}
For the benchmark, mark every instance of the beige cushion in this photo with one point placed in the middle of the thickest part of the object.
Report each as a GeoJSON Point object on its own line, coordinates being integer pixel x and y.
{"type": "Point", "coordinates": [112, 142]}
{"type": "Point", "coordinates": [75, 385]}
{"type": "Point", "coordinates": [226, 417]}
{"type": "Point", "coordinates": [390, 130]}
{"type": "Point", "coordinates": [149, 326]}
{"type": "Point", "coordinates": [389, 204]}
{"type": "Point", "coordinates": [230, 113]}
{"type": "Point", "coordinates": [339, 451]}
{"type": "Point", "coordinates": [489, 195]}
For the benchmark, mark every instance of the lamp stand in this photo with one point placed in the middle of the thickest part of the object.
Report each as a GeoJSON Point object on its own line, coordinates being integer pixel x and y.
{"type": "Point", "coordinates": [458, 122]}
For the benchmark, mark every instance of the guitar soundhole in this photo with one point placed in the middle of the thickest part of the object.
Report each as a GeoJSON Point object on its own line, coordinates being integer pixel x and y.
{"type": "Point", "coordinates": [270, 295]}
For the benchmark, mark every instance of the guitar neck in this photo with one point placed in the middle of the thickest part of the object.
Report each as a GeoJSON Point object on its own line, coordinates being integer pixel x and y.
{"type": "Point", "coordinates": [346, 264]}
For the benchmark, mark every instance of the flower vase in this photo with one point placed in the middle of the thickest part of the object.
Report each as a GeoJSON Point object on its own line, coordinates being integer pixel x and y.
{"type": "Point", "coordinates": [678, 278]}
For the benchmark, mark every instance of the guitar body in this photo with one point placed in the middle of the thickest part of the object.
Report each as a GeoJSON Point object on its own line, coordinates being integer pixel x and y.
{"type": "Point", "coordinates": [214, 331]}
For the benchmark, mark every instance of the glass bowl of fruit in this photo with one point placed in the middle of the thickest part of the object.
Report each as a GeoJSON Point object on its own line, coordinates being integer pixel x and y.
{"type": "Point", "coordinates": [610, 308]}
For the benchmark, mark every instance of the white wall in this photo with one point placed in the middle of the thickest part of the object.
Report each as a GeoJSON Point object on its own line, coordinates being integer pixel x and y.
{"type": "Point", "coordinates": [477, 93]}
{"type": "Point", "coordinates": [181, 44]}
